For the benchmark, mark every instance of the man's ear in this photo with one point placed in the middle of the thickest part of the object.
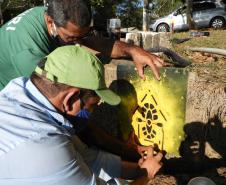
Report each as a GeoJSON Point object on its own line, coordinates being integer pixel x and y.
{"type": "Point", "coordinates": [69, 101]}
{"type": "Point", "coordinates": [48, 19]}
{"type": "Point", "coordinates": [49, 23]}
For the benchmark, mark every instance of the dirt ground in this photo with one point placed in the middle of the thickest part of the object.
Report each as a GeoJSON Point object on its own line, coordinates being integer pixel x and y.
{"type": "Point", "coordinates": [209, 65]}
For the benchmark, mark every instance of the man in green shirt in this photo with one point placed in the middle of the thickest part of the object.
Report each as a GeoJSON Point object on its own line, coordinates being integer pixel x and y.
{"type": "Point", "coordinates": [35, 33]}
{"type": "Point", "coordinates": [32, 35]}
{"type": "Point", "coordinates": [23, 41]}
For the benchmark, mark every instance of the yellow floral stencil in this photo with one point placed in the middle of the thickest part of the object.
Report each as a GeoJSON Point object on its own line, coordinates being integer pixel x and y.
{"type": "Point", "coordinates": [160, 115]}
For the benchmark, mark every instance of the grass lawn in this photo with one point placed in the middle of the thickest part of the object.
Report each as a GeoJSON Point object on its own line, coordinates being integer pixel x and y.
{"type": "Point", "coordinates": [217, 39]}
{"type": "Point", "coordinates": [209, 65]}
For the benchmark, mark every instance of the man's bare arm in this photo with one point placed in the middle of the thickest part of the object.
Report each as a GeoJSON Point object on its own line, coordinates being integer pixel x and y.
{"type": "Point", "coordinates": [93, 135]}
{"type": "Point", "coordinates": [117, 49]}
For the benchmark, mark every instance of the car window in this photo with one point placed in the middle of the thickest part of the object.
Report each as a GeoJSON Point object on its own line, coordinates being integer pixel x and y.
{"type": "Point", "coordinates": [181, 10]}
{"type": "Point", "coordinates": [203, 6]}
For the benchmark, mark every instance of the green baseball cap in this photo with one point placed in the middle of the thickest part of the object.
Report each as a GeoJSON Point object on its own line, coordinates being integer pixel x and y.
{"type": "Point", "coordinates": [75, 66]}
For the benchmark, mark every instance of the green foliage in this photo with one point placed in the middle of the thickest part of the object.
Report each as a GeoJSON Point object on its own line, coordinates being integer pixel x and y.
{"type": "Point", "coordinates": [16, 4]}
{"type": "Point", "coordinates": [106, 8]}
{"type": "Point", "coordinates": [12, 8]}
{"type": "Point", "coordinates": [97, 2]}
{"type": "Point", "coordinates": [103, 11]}
{"type": "Point", "coordinates": [130, 13]}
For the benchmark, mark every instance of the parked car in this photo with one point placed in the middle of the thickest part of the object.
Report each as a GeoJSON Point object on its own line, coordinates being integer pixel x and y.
{"type": "Point", "coordinates": [204, 13]}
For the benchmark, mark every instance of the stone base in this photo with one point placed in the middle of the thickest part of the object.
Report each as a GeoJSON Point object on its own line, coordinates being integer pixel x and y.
{"type": "Point", "coordinates": [148, 40]}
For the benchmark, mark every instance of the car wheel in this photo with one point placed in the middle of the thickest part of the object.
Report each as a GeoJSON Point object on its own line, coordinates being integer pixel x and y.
{"type": "Point", "coordinates": [217, 22]}
{"type": "Point", "coordinates": [163, 28]}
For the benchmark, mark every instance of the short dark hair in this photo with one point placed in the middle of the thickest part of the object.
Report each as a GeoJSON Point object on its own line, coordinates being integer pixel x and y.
{"type": "Point", "coordinates": [75, 11]}
{"type": "Point", "coordinates": [49, 88]}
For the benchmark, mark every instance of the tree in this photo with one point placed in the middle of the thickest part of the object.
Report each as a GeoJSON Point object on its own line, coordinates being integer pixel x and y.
{"type": "Point", "coordinates": [11, 8]}
{"type": "Point", "coordinates": [16, 4]}
{"type": "Point", "coordinates": [189, 14]}
{"type": "Point", "coordinates": [130, 13]}
{"type": "Point", "coordinates": [145, 15]}
{"type": "Point", "coordinates": [97, 2]}
{"type": "Point", "coordinates": [102, 11]}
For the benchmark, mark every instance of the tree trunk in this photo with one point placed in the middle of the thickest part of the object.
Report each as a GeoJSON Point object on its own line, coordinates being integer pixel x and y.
{"type": "Point", "coordinates": [189, 14]}
{"type": "Point", "coordinates": [206, 98]}
{"type": "Point", "coordinates": [206, 112]}
{"type": "Point", "coordinates": [145, 15]}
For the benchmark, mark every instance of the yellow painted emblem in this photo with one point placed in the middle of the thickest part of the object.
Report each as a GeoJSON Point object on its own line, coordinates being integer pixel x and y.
{"type": "Point", "coordinates": [160, 115]}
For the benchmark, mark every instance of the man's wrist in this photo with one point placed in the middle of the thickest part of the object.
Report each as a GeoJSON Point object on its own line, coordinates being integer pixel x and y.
{"type": "Point", "coordinates": [131, 49]}
{"type": "Point", "coordinates": [127, 50]}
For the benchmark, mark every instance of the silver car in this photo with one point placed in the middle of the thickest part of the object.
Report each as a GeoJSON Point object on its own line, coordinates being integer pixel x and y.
{"type": "Point", "coordinates": [205, 14]}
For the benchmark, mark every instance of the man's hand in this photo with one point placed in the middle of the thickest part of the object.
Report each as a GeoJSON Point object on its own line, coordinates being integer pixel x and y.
{"type": "Point", "coordinates": [118, 49]}
{"type": "Point", "coordinates": [142, 59]}
{"type": "Point", "coordinates": [145, 151]}
{"type": "Point", "coordinates": [151, 163]}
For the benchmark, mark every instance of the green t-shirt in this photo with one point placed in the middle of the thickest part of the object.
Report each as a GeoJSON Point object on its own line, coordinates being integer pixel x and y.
{"type": "Point", "coordinates": [24, 41]}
